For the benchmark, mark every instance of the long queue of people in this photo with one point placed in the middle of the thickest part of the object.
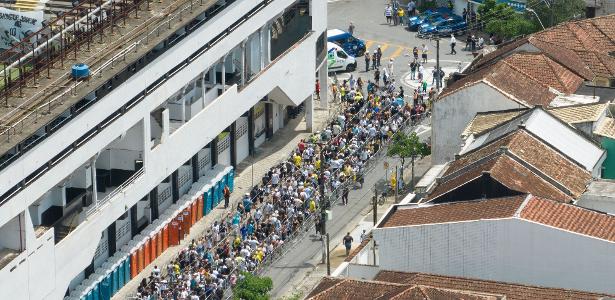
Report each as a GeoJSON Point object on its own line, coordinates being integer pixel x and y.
{"type": "Point", "coordinates": [288, 200]}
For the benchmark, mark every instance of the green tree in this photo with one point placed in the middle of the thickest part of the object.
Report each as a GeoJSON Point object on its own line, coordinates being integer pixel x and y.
{"type": "Point", "coordinates": [503, 21]}
{"type": "Point", "coordinates": [553, 12]}
{"type": "Point", "coordinates": [407, 146]}
{"type": "Point", "coordinates": [252, 287]}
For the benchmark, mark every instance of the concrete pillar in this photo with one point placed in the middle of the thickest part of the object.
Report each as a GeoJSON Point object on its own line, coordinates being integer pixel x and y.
{"type": "Point", "coordinates": [153, 203]}
{"type": "Point", "coordinates": [94, 185]}
{"type": "Point", "coordinates": [261, 45]}
{"type": "Point", "coordinates": [244, 69]}
{"type": "Point", "coordinates": [175, 186]}
{"type": "Point", "coordinates": [212, 75]}
{"type": "Point", "coordinates": [251, 131]}
{"type": "Point", "coordinates": [233, 138]}
{"type": "Point", "coordinates": [324, 90]}
{"type": "Point", "coordinates": [309, 114]}
{"type": "Point", "coordinates": [267, 45]}
{"type": "Point", "coordinates": [194, 163]}
{"type": "Point", "coordinates": [223, 62]}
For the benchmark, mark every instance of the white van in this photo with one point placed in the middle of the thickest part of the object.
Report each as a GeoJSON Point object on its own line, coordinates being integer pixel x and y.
{"type": "Point", "coordinates": [339, 60]}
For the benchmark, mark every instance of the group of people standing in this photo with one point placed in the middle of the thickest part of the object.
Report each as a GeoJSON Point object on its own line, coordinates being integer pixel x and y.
{"type": "Point", "coordinates": [289, 197]}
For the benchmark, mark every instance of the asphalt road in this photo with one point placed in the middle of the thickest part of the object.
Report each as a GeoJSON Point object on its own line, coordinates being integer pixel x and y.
{"type": "Point", "coordinates": [396, 41]}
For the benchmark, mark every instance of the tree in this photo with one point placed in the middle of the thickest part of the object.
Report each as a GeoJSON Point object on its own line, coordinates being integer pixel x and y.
{"type": "Point", "coordinates": [553, 12]}
{"type": "Point", "coordinates": [407, 146]}
{"type": "Point", "coordinates": [252, 287]}
{"type": "Point", "coordinates": [503, 21]}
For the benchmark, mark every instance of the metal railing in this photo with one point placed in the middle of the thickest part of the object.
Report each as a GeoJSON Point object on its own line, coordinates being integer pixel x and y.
{"type": "Point", "coordinates": [69, 89]}
{"type": "Point", "coordinates": [99, 203]}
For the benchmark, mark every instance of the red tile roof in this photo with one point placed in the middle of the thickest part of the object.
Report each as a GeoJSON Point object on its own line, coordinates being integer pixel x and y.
{"type": "Point", "coordinates": [546, 71]}
{"type": "Point", "coordinates": [509, 80]}
{"type": "Point", "coordinates": [505, 169]}
{"type": "Point", "coordinates": [570, 218]}
{"type": "Point", "coordinates": [544, 158]}
{"type": "Point", "coordinates": [454, 212]}
{"type": "Point", "coordinates": [510, 291]}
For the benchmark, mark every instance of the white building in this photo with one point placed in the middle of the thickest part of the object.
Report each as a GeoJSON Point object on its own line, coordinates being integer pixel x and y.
{"type": "Point", "coordinates": [180, 107]}
{"type": "Point", "coordinates": [520, 239]}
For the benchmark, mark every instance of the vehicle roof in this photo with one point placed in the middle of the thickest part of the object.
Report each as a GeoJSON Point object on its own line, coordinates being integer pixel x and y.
{"type": "Point", "coordinates": [336, 32]}
{"type": "Point", "coordinates": [333, 46]}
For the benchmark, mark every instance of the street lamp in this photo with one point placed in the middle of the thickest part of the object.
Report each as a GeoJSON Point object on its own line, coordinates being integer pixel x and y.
{"type": "Point", "coordinates": [537, 17]}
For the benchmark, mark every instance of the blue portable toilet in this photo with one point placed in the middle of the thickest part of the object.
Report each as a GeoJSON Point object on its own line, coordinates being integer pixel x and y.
{"type": "Point", "coordinates": [221, 184]}
{"type": "Point", "coordinates": [214, 195]}
{"type": "Point", "coordinates": [105, 289]}
{"type": "Point", "coordinates": [126, 270]}
{"type": "Point", "coordinates": [95, 293]}
{"type": "Point", "coordinates": [115, 285]}
{"type": "Point", "coordinates": [230, 179]}
{"type": "Point", "coordinates": [207, 203]}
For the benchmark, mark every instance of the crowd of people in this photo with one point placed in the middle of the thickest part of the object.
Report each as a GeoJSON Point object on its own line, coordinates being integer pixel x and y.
{"type": "Point", "coordinates": [288, 200]}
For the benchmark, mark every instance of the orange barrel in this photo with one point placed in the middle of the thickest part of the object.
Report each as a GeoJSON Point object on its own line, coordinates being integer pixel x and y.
{"type": "Point", "coordinates": [159, 243]}
{"type": "Point", "coordinates": [174, 233]}
{"type": "Point", "coordinates": [133, 265]}
{"type": "Point", "coordinates": [199, 208]}
{"type": "Point", "coordinates": [140, 258]}
{"type": "Point", "coordinates": [152, 247]}
{"type": "Point", "coordinates": [147, 252]}
{"type": "Point", "coordinates": [193, 209]}
{"type": "Point", "coordinates": [165, 237]}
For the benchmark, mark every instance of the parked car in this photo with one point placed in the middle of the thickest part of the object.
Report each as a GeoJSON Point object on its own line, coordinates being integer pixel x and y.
{"type": "Point", "coordinates": [455, 25]}
{"type": "Point", "coordinates": [339, 60]}
{"type": "Point", "coordinates": [350, 44]}
{"type": "Point", "coordinates": [428, 16]}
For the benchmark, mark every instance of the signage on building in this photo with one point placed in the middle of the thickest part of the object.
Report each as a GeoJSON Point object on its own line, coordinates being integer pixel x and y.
{"type": "Point", "coordinates": [15, 26]}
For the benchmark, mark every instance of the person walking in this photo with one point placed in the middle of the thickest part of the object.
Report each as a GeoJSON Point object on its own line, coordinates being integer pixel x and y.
{"type": "Point", "coordinates": [367, 58]}
{"type": "Point", "coordinates": [345, 194]}
{"type": "Point", "coordinates": [390, 67]}
{"type": "Point", "coordinates": [317, 89]}
{"type": "Point", "coordinates": [347, 241]}
{"type": "Point", "coordinates": [415, 53]}
{"type": "Point", "coordinates": [379, 52]}
{"type": "Point", "coordinates": [227, 195]}
{"type": "Point", "coordinates": [395, 6]}
{"type": "Point", "coordinates": [424, 51]}
{"type": "Point", "coordinates": [413, 67]}
{"type": "Point", "coordinates": [351, 28]}
{"type": "Point", "coordinates": [388, 13]}
{"type": "Point", "coordinates": [377, 76]}
{"type": "Point", "coordinates": [453, 43]}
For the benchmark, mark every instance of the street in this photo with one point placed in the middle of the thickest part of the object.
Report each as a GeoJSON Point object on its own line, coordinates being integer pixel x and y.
{"type": "Point", "coordinates": [299, 269]}
{"type": "Point", "coordinates": [395, 41]}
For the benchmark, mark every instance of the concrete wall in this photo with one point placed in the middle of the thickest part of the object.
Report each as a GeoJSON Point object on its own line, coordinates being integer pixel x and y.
{"type": "Point", "coordinates": [510, 250]}
{"type": "Point", "coordinates": [452, 114]}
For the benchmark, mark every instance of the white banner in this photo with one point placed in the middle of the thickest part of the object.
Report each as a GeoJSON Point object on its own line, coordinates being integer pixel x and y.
{"type": "Point", "coordinates": [15, 25]}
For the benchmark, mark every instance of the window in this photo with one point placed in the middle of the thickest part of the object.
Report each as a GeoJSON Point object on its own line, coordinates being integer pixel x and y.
{"type": "Point", "coordinates": [341, 54]}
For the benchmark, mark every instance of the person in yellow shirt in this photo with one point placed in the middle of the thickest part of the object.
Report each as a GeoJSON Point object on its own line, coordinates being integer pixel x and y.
{"type": "Point", "coordinates": [400, 14]}
{"type": "Point", "coordinates": [297, 160]}
{"type": "Point", "coordinates": [312, 206]}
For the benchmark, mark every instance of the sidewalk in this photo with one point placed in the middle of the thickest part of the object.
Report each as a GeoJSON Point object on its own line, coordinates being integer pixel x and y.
{"type": "Point", "coordinates": [300, 268]}
{"type": "Point", "coordinates": [252, 168]}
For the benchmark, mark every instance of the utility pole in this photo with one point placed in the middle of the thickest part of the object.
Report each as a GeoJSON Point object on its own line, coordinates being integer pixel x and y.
{"type": "Point", "coordinates": [323, 204]}
{"type": "Point", "coordinates": [438, 79]}
{"type": "Point", "coordinates": [375, 212]}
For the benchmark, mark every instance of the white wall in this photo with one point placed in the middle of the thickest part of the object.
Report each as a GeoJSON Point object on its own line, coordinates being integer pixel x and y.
{"type": "Point", "coordinates": [365, 272]}
{"type": "Point", "coordinates": [11, 233]}
{"type": "Point", "coordinates": [510, 250]}
{"type": "Point", "coordinates": [243, 146]}
{"type": "Point", "coordinates": [451, 114]}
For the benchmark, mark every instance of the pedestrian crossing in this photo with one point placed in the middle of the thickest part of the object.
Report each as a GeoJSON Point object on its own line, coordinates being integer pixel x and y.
{"type": "Point", "coordinates": [389, 50]}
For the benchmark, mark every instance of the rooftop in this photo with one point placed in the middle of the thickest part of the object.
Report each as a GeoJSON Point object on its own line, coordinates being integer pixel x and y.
{"type": "Point", "coordinates": [603, 187]}
{"type": "Point", "coordinates": [562, 216]}
{"type": "Point", "coordinates": [545, 160]}
{"type": "Point", "coordinates": [573, 114]}
{"type": "Point", "coordinates": [606, 128]}
{"type": "Point", "coordinates": [582, 46]}
{"type": "Point", "coordinates": [499, 169]}
{"type": "Point", "coordinates": [335, 288]}
{"type": "Point", "coordinates": [508, 291]}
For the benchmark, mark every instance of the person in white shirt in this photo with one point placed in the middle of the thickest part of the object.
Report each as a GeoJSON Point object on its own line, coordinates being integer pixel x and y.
{"type": "Point", "coordinates": [453, 43]}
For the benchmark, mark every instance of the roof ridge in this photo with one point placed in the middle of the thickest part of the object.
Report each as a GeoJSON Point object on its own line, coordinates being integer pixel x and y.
{"type": "Point", "coordinates": [522, 206]}
{"type": "Point", "coordinates": [601, 31]}
{"type": "Point", "coordinates": [550, 63]}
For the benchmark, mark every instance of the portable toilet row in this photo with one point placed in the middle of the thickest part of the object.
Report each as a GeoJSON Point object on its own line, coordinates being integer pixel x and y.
{"type": "Point", "coordinates": [168, 230]}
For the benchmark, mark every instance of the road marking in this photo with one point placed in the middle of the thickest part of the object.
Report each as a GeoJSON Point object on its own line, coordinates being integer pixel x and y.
{"type": "Point", "coordinates": [397, 52]}
{"type": "Point", "coordinates": [368, 44]}
{"type": "Point", "coordinates": [384, 46]}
